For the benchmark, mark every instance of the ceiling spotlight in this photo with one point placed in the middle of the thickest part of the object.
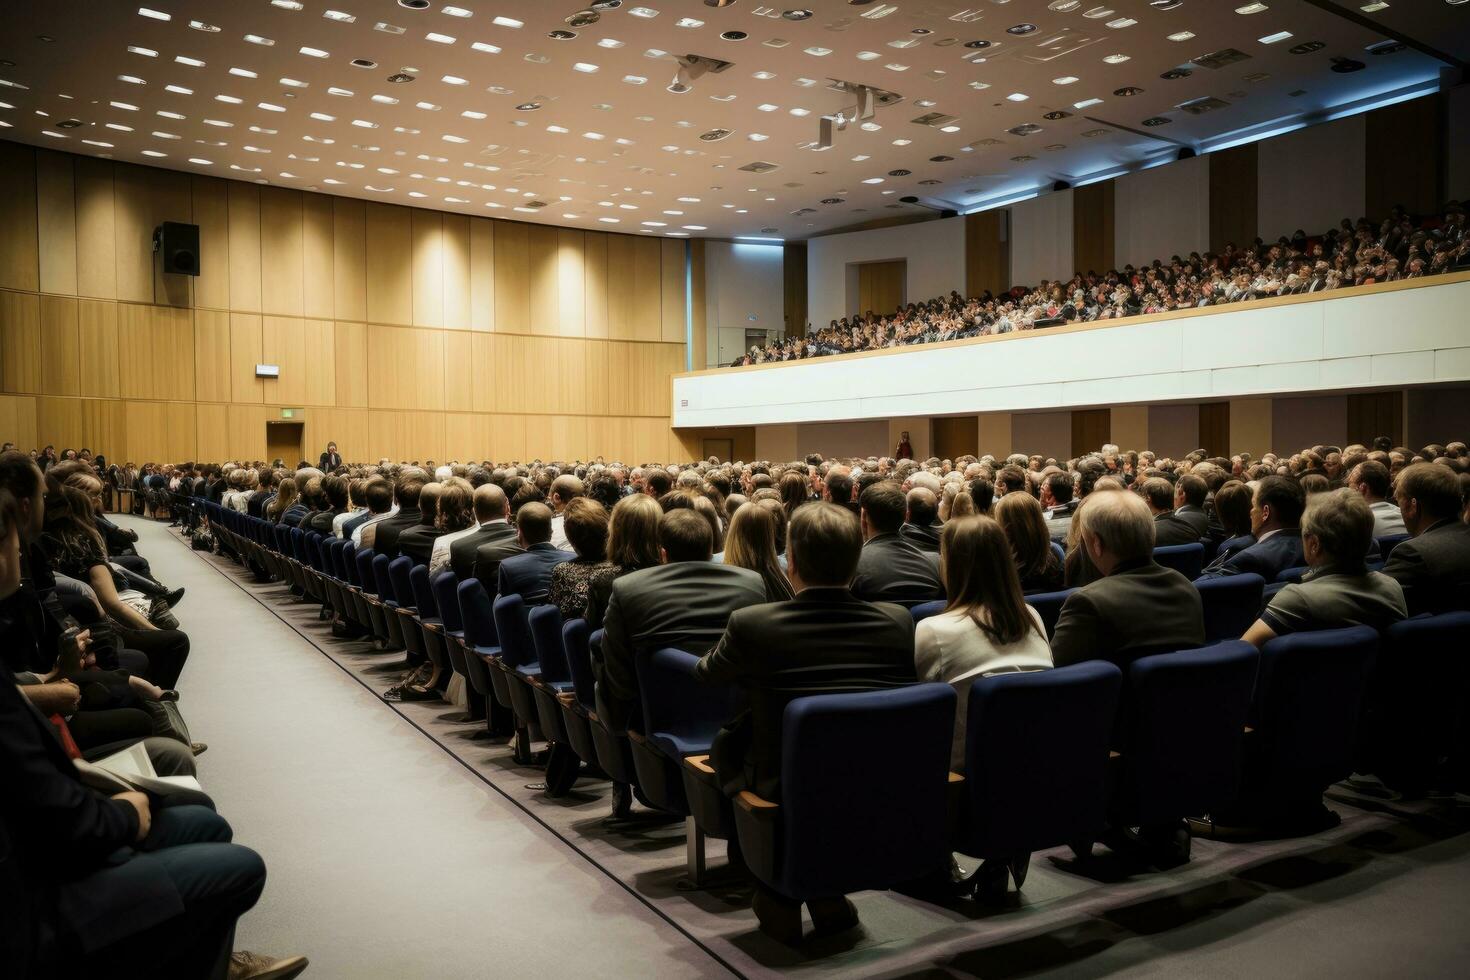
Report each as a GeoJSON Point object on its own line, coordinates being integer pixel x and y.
{"type": "Point", "coordinates": [1307, 47]}
{"type": "Point", "coordinates": [734, 35]}
{"type": "Point", "coordinates": [940, 159]}
{"type": "Point", "coordinates": [528, 107]}
{"type": "Point", "coordinates": [977, 44]}
{"type": "Point", "coordinates": [832, 200]}
{"type": "Point", "coordinates": [414, 4]}
{"type": "Point", "coordinates": [363, 63]}
{"type": "Point", "coordinates": [561, 35]}
{"type": "Point", "coordinates": [1056, 114]}
{"type": "Point", "coordinates": [714, 135]}
{"type": "Point", "coordinates": [899, 173]}
{"type": "Point", "coordinates": [1156, 121]}
{"type": "Point", "coordinates": [1174, 74]}
{"type": "Point", "coordinates": [1021, 29]}
{"type": "Point", "coordinates": [583, 18]}
{"type": "Point", "coordinates": [398, 77]}
{"type": "Point", "coordinates": [1345, 66]}
{"type": "Point", "coordinates": [798, 14]}
{"type": "Point", "coordinates": [1127, 91]}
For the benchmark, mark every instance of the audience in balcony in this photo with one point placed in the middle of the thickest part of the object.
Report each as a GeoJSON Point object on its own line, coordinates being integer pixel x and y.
{"type": "Point", "coordinates": [1351, 255]}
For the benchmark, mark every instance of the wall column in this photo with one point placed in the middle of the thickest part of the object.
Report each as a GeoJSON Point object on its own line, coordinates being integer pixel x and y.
{"type": "Point", "coordinates": [1250, 426]}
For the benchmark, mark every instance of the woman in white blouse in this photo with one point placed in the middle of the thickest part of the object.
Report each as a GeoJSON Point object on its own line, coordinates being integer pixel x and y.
{"type": "Point", "coordinates": [986, 627]}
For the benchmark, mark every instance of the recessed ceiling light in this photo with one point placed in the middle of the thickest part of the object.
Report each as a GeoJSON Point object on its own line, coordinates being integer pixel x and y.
{"type": "Point", "coordinates": [873, 180]}
{"type": "Point", "coordinates": [1064, 6]}
{"type": "Point", "coordinates": [1085, 103]}
{"type": "Point", "coordinates": [165, 136]}
{"type": "Point", "coordinates": [232, 100]}
{"type": "Point", "coordinates": [287, 4]}
{"type": "Point", "coordinates": [454, 80]}
{"type": "Point", "coordinates": [200, 25]}
{"type": "Point", "coordinates": [154, 153]}
{"type": "Point", "coordinates": [817, 51]}
{"type": "Point", "coordinates": [293, 83]}
{"type": "Point", "coordinates": [340, 16]}
{"type": "Point", "coordinates": [154, 14]}
{"type": "Point", "coordinates": [1120, 23]}
{"type": "Point", "coordinates": [131, 79]}
{"type": "Point", "coordinates": [438, 38]}
{"type": "Point", "coordinates": [1181, 35]}
{"type": "Point", "coordinates": [949, 129]}
{"type": "Point", "coordinates": [191, 62]}
{"type": "Point", "coordinates": [323, 117]}
{"type": "Point", "coordinates": [871, 127]}
{"type": "Point", "coordinates": [585, 67]}
{"type": "Point", "coordinates": [314, 52]}
{"type": "Point", "coordinates": [118, 105]}
{"type": "Point", "coordinates": [1367, 8]}
{"type": "Point", "coordinates": [145, 52]}
{"type": "Point", "coordinates": [1273, 38]}
{"type": "Point", "coordinates": [456, 12]}
{"type": "Point", "coordinates": [243, 73]}
{"type": "Point", "coordinates": [763, 76]}
{"type": "Point", "coordinates": [1021, 29]}
{"type": "Point", "coordinates": [594, 136]}
{"type": "Point", "coordinates": [343, 92]}
{"type": "Point", "coordinates": [1116, 59]}
{"type": "Point", "coordinates": [693, 227]}
{"type": "Point", "coordinates": [1252, 8]}
{"type": "Point", "coordinates": [689, 23]}
{"type": "Point", "coordinates": [264, 42]}
{"type": "Point", "coordinates": [510, 22]}
{"type": "Point", "coordinates": [120, 127]}
{"type": "Point", "coordinates": [170, 115]}
{"type": "Point", "coordinates": [221, 123]}
{"type": "Point", "coordinates": [1017, 97]}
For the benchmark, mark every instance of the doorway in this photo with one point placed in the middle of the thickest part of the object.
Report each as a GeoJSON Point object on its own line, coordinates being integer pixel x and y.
{"type": "Point", "coordinates": [880, 286]}
{"type": "Point", "coordinates": [721, 449]}
{"type": "Point", "coordinates": [285, 441]}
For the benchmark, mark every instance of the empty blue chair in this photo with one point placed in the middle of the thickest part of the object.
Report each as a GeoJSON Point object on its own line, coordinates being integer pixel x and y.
{"type": "Point", "coordinates": [1419, 704]}
{"type": "Point", "coordinates": [1036, 759]}
{"type": "Point", "coordinates": [1186, 559]}
{"type": "Point", "coordinates": [924, 610]}
{"type": "Point", "coordinates": [553, 677]}
{"type": "Point", "coordinates": [1048, 606]}
{"type": "Point", "coordinates": [1231, 604]}
{"type": "Point", "coordinates": [1180, 734]}
{"type": "Point", "coordinates": [446, 598]}
{"type": "Point", "coordinates": [399, 572]}
{"type": "Point", "coordinates": [864, 800]}
{"type": "Point", "coordinates": [614, 754]}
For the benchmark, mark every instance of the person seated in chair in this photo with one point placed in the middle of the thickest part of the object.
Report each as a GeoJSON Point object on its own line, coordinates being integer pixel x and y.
{"type": "Point", "coordinates": [1337, 531]}
{"type": "Point", "coordinates": [825, 641]}
{"type": "Point", "coordinates": [891, 568]}
{"type": "Point", "coordinates": [1433, 566]}
{"type": "Point", "coordinates": [528, 575]}
{"type": "Point", "coordinates": [1169, 530]}
{"type": "Point", "coordinates": [1276, 513]}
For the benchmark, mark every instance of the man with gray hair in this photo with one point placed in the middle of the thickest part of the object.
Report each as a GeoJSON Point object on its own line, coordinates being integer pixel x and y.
{"type": "Point", "coordinates": [1138, 607]}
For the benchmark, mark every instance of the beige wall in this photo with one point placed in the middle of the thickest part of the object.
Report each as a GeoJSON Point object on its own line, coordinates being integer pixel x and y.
{"type": "Point", "coordinates": [1250, 426]}
{"type": "Point", "coordinates": [1047, 433]}
{"type": "Point", "coordinates": [775, 443]}
{"type": "Point", "coordinates": [1129, 425]}
{"type": "Point", "coordinates": [1310, 421]}
{"type": "Point", "coordinates": [921, 435]}
{"type": "Point", "coordinates": [995, 434]}
{"type": "Point", "coordinates": [1173, 430]}
{"type": "Point", "coordinates": [399, 332]}
{"type": "Point", "coordinates": [1437, 415]}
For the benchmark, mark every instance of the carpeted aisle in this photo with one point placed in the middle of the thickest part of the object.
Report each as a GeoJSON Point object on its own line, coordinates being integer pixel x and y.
{"type": "Point", "coordinates": [401, 844]}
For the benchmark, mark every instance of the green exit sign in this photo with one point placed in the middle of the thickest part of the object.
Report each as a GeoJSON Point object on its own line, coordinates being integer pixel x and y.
{"type": "Point", "coordinates": [288, 413]}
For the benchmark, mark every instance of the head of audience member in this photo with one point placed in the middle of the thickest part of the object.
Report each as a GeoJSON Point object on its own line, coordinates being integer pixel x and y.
{"type": "Point", "coordinates": [751, 543]}
{"type": "Point", "coordinates": [1056, 490]}
{"type": "Point", "coordinates": [657, 482]}
{"type": "Point", "coordinates": [823, 545]}
{"type": "Point", "coordinates": [1427, 493]}
{"type": "Point", "coordinates": [429, 504]}
{"type": "Point", "coordinates": [793, 490]}
{"type": "Point", "coordinates": [287, 496]}
{"type": "Point", "coordinates": [1337, 529]}
{"type": "Point", "coordinates": [633, 532]}
{"type": "Point", "coordinates": [1012, 477]}
{"type": "Point", "coordinates": [773, 507]}
{"type": "Point", "coordinates": [491, 503]}
{"type": "Point", "coordinates": [980, 576]}
{"type": "Point", "coordinates": [378, 495]}
{"type": "Point", "coordinates": [883, 508]}
{"type": "Point", "coordinates": [734, 502]}
{"type": "Point", "coordinates": [1024, 523]}
{"type": "Point", "coordinates": [533, 524]}
{"type": "Point", "coordinates": [565, 489]}
{"type": "Point", "coordinates": [923, 507]}
{"type": "Point", "coordinates": [1191, 491]}
{"type": "Point", "coordinates": [587, 528]}
{"type": "Point", "coordinates": [605, 490]}
{"type": "Point", "coordinates": [963, 505]}
{"type": "Point", "coordinates": [1158, 493]}
{"type": "Point", "coordinates": [982, 491]}
{"type": "Point", "coordinates": [684, 535]}
{"type": "Point", "coordinates": [1117, 530]}
{"type": "Point", "coordinates": [837, 488]}
{"type": "Point", "coordinates": [1277, 505]}
{"type": "Point", "coordinates": [706, 508]}
{"type": "Point", "coordinates": [1233, 508]}
{"type": "Point", "coordinates": [21, 477]}
{"type": "Point", "coordinates": [1370, 479]}
{"type": "Point", "coordinates": [455, 511]}
{"type": "Point", "coordinates": [411, 482]}
{"type": "Point", "coordinates": [1315, 483]}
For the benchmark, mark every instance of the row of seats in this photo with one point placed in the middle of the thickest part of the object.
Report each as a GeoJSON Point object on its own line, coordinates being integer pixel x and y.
{"type": "Point", "coordinates": [1067, 756]}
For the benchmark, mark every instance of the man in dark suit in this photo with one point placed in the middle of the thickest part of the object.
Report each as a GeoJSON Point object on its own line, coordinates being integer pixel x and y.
{"type": "Point", "coordinates": [891, 569]}
{"type": "Point", "coordinates": [330, 459]}
{"type": "Point", "coordinates": [528, 575]}
{"type": "Point", "coordinates": [1190, 494]}
{"type": "Point", "coordinates": [824, 641]}
{"type": "Point", "coordinates": [410, 484]}
{"type": "Point", "coordinates": [256, 504]}
{"type": "Point", "coordinates": [1433, 566]}
{"type": "Point", "coordinates": [417, 542]}
{"type": "Point", "coordinates": [683, 603]}
{"type": "Point", "coordinates": [378, 495]}
{"type": "Point", "coordinates": [103, 871]}
{"type": "Point", "coordinates": [1276, 515]}
{"type": "Point", "coordinates": [1138, 607]}
{"type": "Point", "coordinates": [479, 554]}
{"type": "Point", "coordinates": [921, 528]}
{"type": "Point", "coordinates": [328, 497]}
{"type": "Point", "coordinates": [1158, 493]}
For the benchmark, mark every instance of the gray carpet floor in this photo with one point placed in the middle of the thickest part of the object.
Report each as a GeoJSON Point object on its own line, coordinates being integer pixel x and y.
{"type": "Point", "coordinates": [401, 843]}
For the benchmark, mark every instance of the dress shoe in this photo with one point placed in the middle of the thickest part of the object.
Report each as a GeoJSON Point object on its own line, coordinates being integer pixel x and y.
{"type": "Point", "coordinates": [198, 748]}
{"type": "Point", "coordinates": [832, 915]}
{"type": "Point", "coordinates": [245, 965]}
{"type": "Point", "coordinates": [779, 917]}
{"type": "Point", "coordinates": [174, 597]}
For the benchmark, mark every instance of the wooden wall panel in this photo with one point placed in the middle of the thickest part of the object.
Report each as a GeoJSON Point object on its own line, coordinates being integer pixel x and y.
{"type": "Point", "coordinates": [482, 274]}
{"type": "Point", "coordinates": [244, 257]}
{"type": "Point", "coordinates": [389, 238]}
{"type": "Point", "coordinates": [97, 338]}
{"type": "Point", "coordinates": [61, 358]}
{"type": "Point", "coordinates": [459, 364]}
{"type": "Point", "coordinates": [212, 431]}
{"type": "Point", "coordinates": [697, 357]}
{"type": "Point", "coordinates": [1091, 428]}
{"type": "Point", "coordinates": [594, 283]}
{"type": "Point", "coordinates": [104, 426]}
{"type": "Point", "coordinates": [1233, 198]}
{"type": "Point", "coordinates": [512, 277]}
{"type": "Point", "coordinates": [571, 280]}
{"type": "Point", "coordinates": [246, 430]}
{"type": "Point", "coordinates": [545, 288]}
{"type": "Point", "coordinates": [281, 249]}
{"type": "Point", "coordinates": [987, 253]}
{"type": "Point", "coordinates": [283, 343]}
{"type": "Point", "coordinates": [467, 437]}
{"type": "Point", "coordinates": [619, 286]}
{"type": "Point", "coordinates": [1405, 154]}
{"type": "Point", "coordinates": [349, 259]}
{"type": "Point", "coordinates": [455, 251]}
{"type": "Point", "coordinates": [56, 216]}
{"type": "Point", "coordinates": [793, 281]}
{"type": "Point", "coordinates": [59, 423]}
{"type": "Point", "coordinates": [245, 353]}
{"type": "Point", "coordinates": [96, 264]}
{"type": "Point", "coordinates": [18, 421]}
{"type": "Point", "coordinates": [19, 263]}
{"type": "Point", "coordinates": [211, 205]}
{"type": "Point", "coordinates": [349, 346]}
{"type": "Point", "coordinates": [1214, 428]}
{"type": "Point", "coordinates": [319, 340]}
{"type": "Point", "coordinates": [179, 437]}
{"type": "Point", "coordinates": [317, 275]}
{"type": "Point", "coordinates": [484, 393]}
{"type": "Point", "coordinates": [1093, 227]}
{"type": "Point", "coordinates": [211, 355]}
{"type": "Point", "coordinates": [672, 307]}
{"type": "Point", "coordinates": [133, 233]}
{"type": "Point", "coordinates": [169, 199]}
{"type": "Point", "coordinates": [428, 269]}
{"type": "Point", "coordinates": [173, 352]}
{"type": "Point", "coordinates": [647, 289]}
{"type": "Point", "coordinates": [20, 342]}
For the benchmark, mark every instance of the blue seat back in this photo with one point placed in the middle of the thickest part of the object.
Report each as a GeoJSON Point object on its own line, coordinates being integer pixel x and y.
{"type": "Point", "coordinates": [924, 610]}
{"type": "Point", "coordinates": [381, 578]}
{"type": "Point", "coordinates": [1388, 542]}
{"type": "Point", "coordinates": [398, 573]}
{"type": "Point", "coordinates": [1231, 604]}
{"type": "Point", "coordinates": [1187, 559]}
{"type": "Point", "coordinates": [1036, 756]}
{"type": "Point", "coordinates": [1308, 699]}
{"type": "Point", "coordinates": [446, 597]}
{"type": "Point", "coordinates": [1048, 606]}
{"type": "Point", "coordinates": [1060, 552]}
{"type": "Point", "coordinates": [477, 615]}
{"type": "Point", "coordinates": [545, 626]}
{"type": "Point", "coordinates": [365, 571]}
{"type": "Point", "coordinates": [298, 544]}
{"type": "Point", "coordinates": [516, 648]}
{"type": "Point", "coordinates": [336, 558]}
{"type": "Point", "coordinates": [1290, 576]}
{"type": "Point", "coordinates": [858, 769]}
{"type": "Point", "coordinates": [679, 710]}
{"type": "Point", "coordinates": [575, 641]}
{"type": "Point", "coordinates": [423, 592]}
{"type": "Point", "coordinates": [1184, 729]}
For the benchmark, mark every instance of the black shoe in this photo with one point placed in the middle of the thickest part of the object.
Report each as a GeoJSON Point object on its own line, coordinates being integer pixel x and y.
{"type": "Point", "coordinates": [832, 915]}
{"type": "Point", "coordinates": [174, 597]}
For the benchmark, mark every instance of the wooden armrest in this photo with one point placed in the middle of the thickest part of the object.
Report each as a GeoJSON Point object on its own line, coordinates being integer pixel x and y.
{"type": "Point", "coordinates": [637, 737]}
{"type": "Point", "coordinates": [1249, 729]}
{"type": "Point", "coordinates": [699, 763]}
{"type": "Point", "coordinates": [1114, 755]}
{"type": "Point", "coordinates": [755, 804]}
{"type": "Point", "coordinates": [433, 627]}
{"type": "Point", "coordinates": [955, 777]}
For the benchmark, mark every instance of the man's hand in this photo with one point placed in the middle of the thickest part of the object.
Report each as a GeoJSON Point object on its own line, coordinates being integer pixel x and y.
{"type": "Point", "coordinates": [145, 815]}
{"type": "Point", "coordinates": [58, 698]}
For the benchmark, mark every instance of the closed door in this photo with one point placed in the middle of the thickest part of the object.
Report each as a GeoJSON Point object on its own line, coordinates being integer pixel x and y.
{"type": "Point", "coordinates": [283, 441]}
{"type": "Point", "coordinates": [956, 436]}
{"type": "Point", "coordinates": [881, 286]}
{"type": "Point", "coordinates": [1091, 429]}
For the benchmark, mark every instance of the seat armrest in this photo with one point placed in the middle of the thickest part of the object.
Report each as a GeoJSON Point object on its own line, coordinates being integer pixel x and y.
{"type": "Point", "coordinates": [957, 791]}
{"type": "Point", "coordinates": [756, 806]}
{"type": "Point", "coordinates": [700, 764]}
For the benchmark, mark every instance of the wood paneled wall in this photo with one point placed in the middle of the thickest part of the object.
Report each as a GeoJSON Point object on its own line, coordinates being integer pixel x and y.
{"type": "Point", "coordinates": [1405, 150]}
{"type": "Point", "coordinates": [1092, 227]}
{"type": "Point", "coordinates": [399, 332]}
{"type": "Point", "coordinates": [1233, 200]}
{"type": "Point", "coordinates": [881, 286]}
{"type": "Point", "coordinates": [987, 253]}
{"type": "Point", "coordinates": [793, 278]}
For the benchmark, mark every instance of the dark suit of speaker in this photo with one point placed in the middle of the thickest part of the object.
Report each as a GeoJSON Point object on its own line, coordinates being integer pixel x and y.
{"type": "Point", "coordinates": [1434, 568]}
{"type": "Point", "coordinates": [482, 553]}
{"type": "Point", "coordinates": [683, 604]}
{"type": "Point", "coordinates": [893, 570]}
{"type": "Point", "coordinates": [825, 641]}
{"type": "Point", "coordinates": [1142, 608]}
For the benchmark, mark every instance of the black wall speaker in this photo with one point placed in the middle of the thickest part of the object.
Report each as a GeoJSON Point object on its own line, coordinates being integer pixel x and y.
{"type": "Point", "coordinates": [1186, 153]}
{"type": "Point", "coordinates": [179, 245]}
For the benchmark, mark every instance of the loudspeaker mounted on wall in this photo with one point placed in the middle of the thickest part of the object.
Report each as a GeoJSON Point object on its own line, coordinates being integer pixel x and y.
{"type": "Point", "coordinates": [179, 245]}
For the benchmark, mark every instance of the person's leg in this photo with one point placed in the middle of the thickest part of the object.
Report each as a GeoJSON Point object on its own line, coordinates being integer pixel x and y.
{"type": "Point", "coordinates": [133, 661]}
{"type": "Point", "coordinates": [134, 563]}
{"type": "Point", "coordinates": [90, 729]}
{"type": "Point", "coordinates": [169, 756]}
{"type": "Point", "coordinates": [166, 649]}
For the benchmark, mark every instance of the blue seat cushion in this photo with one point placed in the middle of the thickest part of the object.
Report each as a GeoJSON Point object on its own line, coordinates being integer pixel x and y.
{"type": "Point", "coordinates": [485, 651]}
{"type": "Point", "coordinates": [529, 670]}
{"type": "Point", "coordinates": [676, 746]}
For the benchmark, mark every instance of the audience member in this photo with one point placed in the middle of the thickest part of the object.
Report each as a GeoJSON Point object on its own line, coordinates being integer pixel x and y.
{"type": "Point", "coordinates": [1370, 478]}
{"type": "Point", "coordinates": [1276, 513]}
{"type": "Point", "coordinates": [891, 569]}
{"type": "Point", "coordinates": [751, 543]}
{"type": "Point", "coordinates": [1433, 566]}
{"type": "Point", "coordinates": [1020, 515]}
{"type": "Point", "coordinates": [586, 525]}
{"type": "Point", "coordinates": [528, 574]}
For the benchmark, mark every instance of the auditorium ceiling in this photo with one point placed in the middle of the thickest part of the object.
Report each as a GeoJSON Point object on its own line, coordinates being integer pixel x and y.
{"type": "Point", "coordinates": [693, 117]}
